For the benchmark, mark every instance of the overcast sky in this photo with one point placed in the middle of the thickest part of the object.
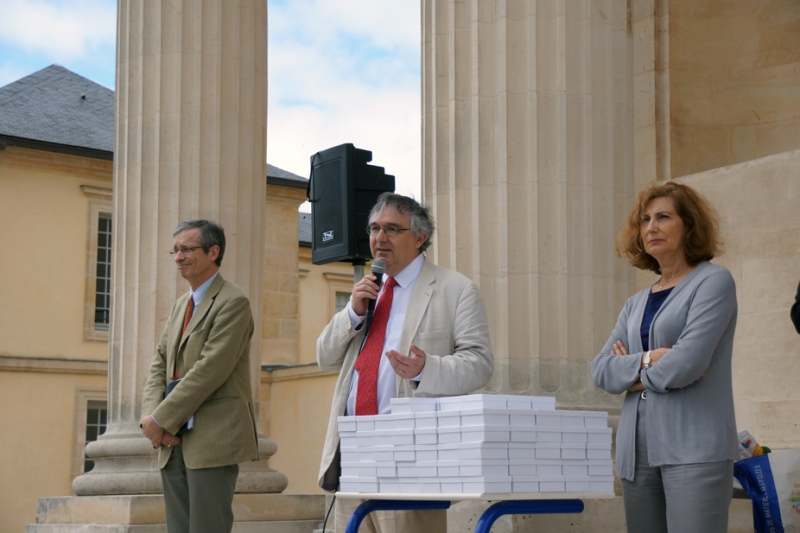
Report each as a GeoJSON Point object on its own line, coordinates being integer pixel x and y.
{"type": "Point", "coordinates": [338, 71]}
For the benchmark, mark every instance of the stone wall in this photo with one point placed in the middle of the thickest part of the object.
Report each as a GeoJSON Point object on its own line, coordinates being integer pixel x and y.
{"type": "Point", "coordinates": [734, 81]}
{"type": "Point", "coordinates": [45, 212]}
{"type": "Point", "coordinates": [758, 203]}
{"type": "Point", "coordinates": [540, 123]}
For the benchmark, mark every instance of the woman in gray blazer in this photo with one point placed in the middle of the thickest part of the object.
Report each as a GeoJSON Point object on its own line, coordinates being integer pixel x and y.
{"type": "Point", "coordinates": [670, 353]}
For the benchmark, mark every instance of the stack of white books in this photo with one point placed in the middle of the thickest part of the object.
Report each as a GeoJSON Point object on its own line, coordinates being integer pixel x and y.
{"type": "Point", "coordinates": [476, 444]}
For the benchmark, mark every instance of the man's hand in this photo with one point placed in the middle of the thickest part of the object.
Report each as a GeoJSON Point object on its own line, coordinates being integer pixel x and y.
{"type": "Point", "coordinates": [153, 431]}
{"type": "Point", "coordinates": [407, 366]}
{"type": "Point", "coordinates": [365, 290]}
{"type": "Point", "coordinates": [169, 440]}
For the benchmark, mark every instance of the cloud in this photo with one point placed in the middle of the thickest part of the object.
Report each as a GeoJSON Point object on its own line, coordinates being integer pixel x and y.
{"type": "Point", "coordinates": [11, 73]}
{"type": "Point", "coordinates": [345, 71]}
{"type": "Point", "coordinates": [339, 71]}
{"type": "Point", "coordinates": [385, 23]}
{"type": "Point", "coordinates": [63, 30]}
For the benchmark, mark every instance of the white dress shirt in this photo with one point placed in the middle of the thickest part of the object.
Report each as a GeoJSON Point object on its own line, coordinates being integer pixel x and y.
{"type": "Point", "coordinates": [197, 295]}
{"type": "Point", "coordinates": [387, 378]}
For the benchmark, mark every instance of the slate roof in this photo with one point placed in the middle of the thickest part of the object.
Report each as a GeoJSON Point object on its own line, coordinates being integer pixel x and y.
{"type": "Point", "coordinates": [58, 107]}
{"type": "Point", "coordinates": [278, 176]}
{"type": "Point", "coordinates": [59, 110]}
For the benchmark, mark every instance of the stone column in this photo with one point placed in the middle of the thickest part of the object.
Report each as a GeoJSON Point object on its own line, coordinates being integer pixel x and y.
{"type": "Point", "coordinates": [528, 166]}
{"type": "Point", "coordinates": [190, 143]}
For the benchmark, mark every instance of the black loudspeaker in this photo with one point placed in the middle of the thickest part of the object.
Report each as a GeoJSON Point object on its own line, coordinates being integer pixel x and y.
{"type": "Point", "coordinates": [342, 190]}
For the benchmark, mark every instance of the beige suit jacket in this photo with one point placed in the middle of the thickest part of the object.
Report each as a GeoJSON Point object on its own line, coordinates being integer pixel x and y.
{"type": "Point", "coordinates": [446, 318]}
{"type": "Point", "coordinates": [213, 357]}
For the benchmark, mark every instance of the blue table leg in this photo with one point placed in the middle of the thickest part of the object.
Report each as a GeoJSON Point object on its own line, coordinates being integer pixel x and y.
{"type": "Point", "coordinates": [391, 505]}
{"type": "Point", "coordinates": [499, 509]}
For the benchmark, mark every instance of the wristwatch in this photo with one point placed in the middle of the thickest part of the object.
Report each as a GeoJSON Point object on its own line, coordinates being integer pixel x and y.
{"type": "Point", "coordinates": [646, 360]}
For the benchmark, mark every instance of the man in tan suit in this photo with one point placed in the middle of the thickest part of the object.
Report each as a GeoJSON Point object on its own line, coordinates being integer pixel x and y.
{"type": "Point", "coordinates": [206, 346]}
{"type": "Point", "coordinates": [429, 337]}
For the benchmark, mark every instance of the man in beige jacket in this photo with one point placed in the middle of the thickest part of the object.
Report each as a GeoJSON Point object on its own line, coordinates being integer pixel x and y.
{"type": "Point", "coordinates": [432, 340]}
{"type": "Point", "coordinates": [205, 345]}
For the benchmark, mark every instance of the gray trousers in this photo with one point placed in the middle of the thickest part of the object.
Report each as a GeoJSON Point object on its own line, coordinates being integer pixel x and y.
{"type": "Point", "coordinates": [689, 498]}
{"type": "Point", "coordinates": [198, 500]}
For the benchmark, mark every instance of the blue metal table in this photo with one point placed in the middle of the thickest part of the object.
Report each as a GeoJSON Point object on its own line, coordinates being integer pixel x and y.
{"type": "Point", "coordinates": [507, 503]}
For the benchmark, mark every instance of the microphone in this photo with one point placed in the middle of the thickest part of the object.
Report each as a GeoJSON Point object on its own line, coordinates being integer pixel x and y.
{"type": "Point", "coordinates": [378, 270]}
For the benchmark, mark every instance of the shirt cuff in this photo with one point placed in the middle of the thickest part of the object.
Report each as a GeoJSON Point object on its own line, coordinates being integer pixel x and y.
{"type": "Point", "coordinates": [156, 421]}
{"type": "Point", "coordinates": [355, 320]}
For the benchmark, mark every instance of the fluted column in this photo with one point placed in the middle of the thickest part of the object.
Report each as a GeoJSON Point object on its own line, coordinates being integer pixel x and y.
{"type": "Point", "coordinates": [190, 143]}
{"type": "Point", "coordinates": [528, 165]}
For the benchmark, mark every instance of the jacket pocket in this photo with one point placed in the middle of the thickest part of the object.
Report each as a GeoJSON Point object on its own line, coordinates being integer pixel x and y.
{"type": "Point", "coordinates": [434, 342]}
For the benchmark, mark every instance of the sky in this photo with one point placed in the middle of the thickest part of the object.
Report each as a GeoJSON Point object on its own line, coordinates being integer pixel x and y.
{"type": "Point", "coordinates": [339, 71]}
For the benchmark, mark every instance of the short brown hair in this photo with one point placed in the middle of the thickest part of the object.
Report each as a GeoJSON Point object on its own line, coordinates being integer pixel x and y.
{"type": "Point", "coordinates": [211, 234]}
{"type": "Point", "coordinates": [701, 242]}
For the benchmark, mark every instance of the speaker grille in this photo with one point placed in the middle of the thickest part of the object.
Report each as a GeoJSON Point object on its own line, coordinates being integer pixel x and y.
{"type": "Point", "coordinates": [329, 197]}
{"type": "Point", "coordinates": [344, 187]}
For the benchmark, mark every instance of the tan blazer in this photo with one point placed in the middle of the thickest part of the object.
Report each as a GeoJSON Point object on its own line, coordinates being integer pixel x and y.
{"type": "Point", "coordinates": [446, 318]}
{"type": "Point", "coordinates": [213, 357]}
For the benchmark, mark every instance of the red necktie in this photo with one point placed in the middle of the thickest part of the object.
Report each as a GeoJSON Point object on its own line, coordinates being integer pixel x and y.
{"type": "Point", "coordinates": [186, 319]}
{"type": "Point", "coordinates": [369, 360]}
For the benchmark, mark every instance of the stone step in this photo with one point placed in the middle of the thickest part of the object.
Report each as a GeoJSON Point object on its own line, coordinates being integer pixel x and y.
{"type": "Point", "coordinates": [254, 513]}
{"type": "Point", "coordinates": [274, 526]}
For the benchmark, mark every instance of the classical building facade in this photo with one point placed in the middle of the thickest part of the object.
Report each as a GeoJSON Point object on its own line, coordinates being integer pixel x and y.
{"type": "Point", "coordinates": [56, 157]}
{"type": "Point", "coordinates": [541, 120]}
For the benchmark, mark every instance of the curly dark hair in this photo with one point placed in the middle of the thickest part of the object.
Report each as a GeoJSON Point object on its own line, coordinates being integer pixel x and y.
{"type": "Point", "coordinates": [702, 241]}
{"type": "Point", "coordinates": [421, 218]}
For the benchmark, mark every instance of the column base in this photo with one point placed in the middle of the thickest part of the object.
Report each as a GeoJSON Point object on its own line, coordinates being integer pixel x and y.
{"type": "Point", "coordinates": [295, 526]}
{"type": "Point", "coordinates": [129, 465]}
{"type": "Point", "coordinates": [281, 513]}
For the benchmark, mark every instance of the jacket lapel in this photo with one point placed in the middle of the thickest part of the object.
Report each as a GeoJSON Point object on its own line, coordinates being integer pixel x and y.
{"type": "Point", "coordinates": [176, 323]}
{"type": "Point", "coordinates": [417, 305]}
{"type": "Point", "coordinates": [202, 309]}
{"type": "Point", "coordinates": [634, 325]}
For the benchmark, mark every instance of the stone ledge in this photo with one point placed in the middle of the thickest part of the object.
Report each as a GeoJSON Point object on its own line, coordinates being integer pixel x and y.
{"type": "Point", "coordinates": [277, 507]}
{"type": "Point", "coordinates": [16, 363]}
{"type": "Point", "coordinates": [278, 373]}
{"type": "Point", "coordinates": [282, 526]}
{"type": "Point", "coordinates": [123, 510]}
{"type": "Point", "coordinates": [39, 157]}
{"type": "Point", "coordinates": [148, 510]}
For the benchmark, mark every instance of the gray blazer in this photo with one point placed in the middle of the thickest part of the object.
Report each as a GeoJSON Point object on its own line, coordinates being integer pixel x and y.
{"type": "Point", "coordinates": [446, 318]}
{"type": "Point", "coordinates": [688, 421]}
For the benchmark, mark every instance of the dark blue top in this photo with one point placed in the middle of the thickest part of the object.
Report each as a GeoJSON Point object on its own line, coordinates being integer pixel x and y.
{"type": "Point", "coordinates": [654, 302]}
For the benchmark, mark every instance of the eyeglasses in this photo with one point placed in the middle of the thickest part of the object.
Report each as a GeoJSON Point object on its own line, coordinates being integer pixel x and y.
{"type": "Point", "coordinates": [185, 250]}
{"type": "Point", "coordinates": [389, 231]}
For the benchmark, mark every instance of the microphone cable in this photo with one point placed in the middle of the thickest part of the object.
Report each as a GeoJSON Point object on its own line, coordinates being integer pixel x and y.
{"type": "Point", "coordinates": [325, 523]}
